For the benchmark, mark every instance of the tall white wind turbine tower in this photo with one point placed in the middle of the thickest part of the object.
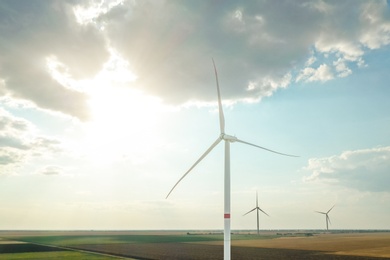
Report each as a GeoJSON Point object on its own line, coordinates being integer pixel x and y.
{"type": "Point", "coordinates": [327, 219]}
{"type": "Point", "coordinates": [257, 208]}
{"type": "Point", "coordinates": [228, 139]}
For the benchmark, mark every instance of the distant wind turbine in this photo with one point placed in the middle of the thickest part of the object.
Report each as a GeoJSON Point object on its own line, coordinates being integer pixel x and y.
{"type": "Point", "coordinates": [327, 219]}
{"type": "Point", "coordinates": [258, 209]}
{"type": "Point", "coordinates": [228, 139]}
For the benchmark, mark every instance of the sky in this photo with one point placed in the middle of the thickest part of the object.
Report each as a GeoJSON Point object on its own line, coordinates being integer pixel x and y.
{"type": "Point", "coordinates": [104, 105]}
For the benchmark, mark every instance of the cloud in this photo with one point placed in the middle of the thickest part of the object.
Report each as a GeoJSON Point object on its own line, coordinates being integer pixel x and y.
{"type": "Point", "coordinates": [345, 36]}
{"type": "Point", "coordinates": [259, 46]}
{"type": "Point", "coordinates": [342, 68]}
{"type": "Point", "coordinates": [366, 170]}
{"type": "Point", "coordinates": [35, 30]}
{"type": "Point", "coordinates": [322, 73]}
{"type": "Point", "coordinates": [19, 142]}
{"type": "Point", "coordinates": [169, 44]}
{"type": "Point", "coordinates": [376, 31]}
{"type": "Point", "coordinates": [171, 52]}
{"type": "Point", "coordinates": [8, 157]}
{"type": "Point", "coordinates": [50, 170]}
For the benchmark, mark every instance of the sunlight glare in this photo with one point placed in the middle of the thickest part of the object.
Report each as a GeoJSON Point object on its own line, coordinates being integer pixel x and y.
{"type": "Point", "coordinates": [125, 121]}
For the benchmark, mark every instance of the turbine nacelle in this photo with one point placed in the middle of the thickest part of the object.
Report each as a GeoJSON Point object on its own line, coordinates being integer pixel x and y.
{"type": "Point", "coordinates": [229, 138]}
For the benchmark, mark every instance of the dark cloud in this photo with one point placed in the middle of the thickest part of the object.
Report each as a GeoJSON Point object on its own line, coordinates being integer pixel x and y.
{"type": "Point", "coordinates": [255, 43]}
{"type": "Point", "coordinates": [32, 31]}
{"type": "Point", "coordinates": [258, 46]}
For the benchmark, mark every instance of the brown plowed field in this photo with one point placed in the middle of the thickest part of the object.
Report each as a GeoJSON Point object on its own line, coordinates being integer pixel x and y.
{"type": "Point", "coordinates": [373, 244]}
{"type": "Point", "coordinates": [324, 246]}
{"type": "Point", "coordinates": [187, 251]}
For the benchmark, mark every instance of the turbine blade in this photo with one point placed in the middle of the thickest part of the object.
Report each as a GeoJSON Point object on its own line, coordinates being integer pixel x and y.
{"type": "Point", "coordinates": [320, 212]}
{"type": "Point", "coordinates": [331, 208]}
{"type": "Point", "coordinates": [328, 219]}
{"type": "Point", "coordinates": [269, 150]}
{"type": "Point", "coordinates": [262, 211]}
{"type": "Point", "coordinates": [250, 211]}
{"type": "Point", "coordinates": [193, 166]}
{"type": "Point", "coordinates": [257, 198]}
{"type": "Point", "coordinates": [220, 110]}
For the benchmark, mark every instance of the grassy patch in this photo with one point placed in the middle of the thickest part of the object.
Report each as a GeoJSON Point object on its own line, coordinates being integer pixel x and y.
{"type": "Point", "coordinates": [78, 240]}
{"type": "Point", "coordinates": [68, 240]}
{"type": "Point", "coordinates": [67, 255]}
{"type": "Point", "coordinates": [26, 247]}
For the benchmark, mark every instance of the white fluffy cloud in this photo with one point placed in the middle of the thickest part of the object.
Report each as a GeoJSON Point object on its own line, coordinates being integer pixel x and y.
{"type": "Point", "coordinates": [366, 170]}
{"type": "Point", "coordinates": [322, 73]}
{"type": "Point", "coordinates": [352, 28]}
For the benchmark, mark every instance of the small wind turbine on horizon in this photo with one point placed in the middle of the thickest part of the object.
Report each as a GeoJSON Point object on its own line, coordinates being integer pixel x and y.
{"type": "Point", "coordinates": [228, 139]}
{"type": "Point", "coordinates": [257, 208]}
{"type": "Point", "coordinates": [327, 219]}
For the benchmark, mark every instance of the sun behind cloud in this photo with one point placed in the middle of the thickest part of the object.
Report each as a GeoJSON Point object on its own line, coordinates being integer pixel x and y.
{"type": "Point", "coordinates": [123, 118]}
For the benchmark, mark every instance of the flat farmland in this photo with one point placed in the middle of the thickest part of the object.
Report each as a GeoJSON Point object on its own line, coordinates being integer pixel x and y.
{"type": "Point", "coordinates": [197, 245]}
{"type": "Point", "coordinates": [15, 250]}
{"type": "Point", "coordinates": [348, 244]}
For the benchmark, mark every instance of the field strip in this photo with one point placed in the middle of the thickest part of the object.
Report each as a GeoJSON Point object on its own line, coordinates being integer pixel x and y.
{"type": "Point", "coordinates": [83, 251]}
{"type": "Point", "coordinates": [6, 242]}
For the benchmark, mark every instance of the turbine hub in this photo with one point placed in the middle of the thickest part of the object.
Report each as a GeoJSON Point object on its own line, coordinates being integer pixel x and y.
{"type": "Point", "coordinates": [228, 138]}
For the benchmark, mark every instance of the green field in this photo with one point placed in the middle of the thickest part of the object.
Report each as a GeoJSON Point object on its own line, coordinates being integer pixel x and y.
{"type": "Point", "coordinates": [67, 255]}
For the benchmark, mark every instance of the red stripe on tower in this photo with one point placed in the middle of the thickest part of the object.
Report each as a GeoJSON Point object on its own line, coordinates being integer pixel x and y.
{"type": "Point", "coordinates": [226, 215]}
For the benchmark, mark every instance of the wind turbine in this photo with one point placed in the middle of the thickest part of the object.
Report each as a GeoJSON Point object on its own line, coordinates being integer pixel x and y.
{"type": "Point", "coordinates": [327, 219]}
{"type": "Point", "coordinates": [258, 209]}
{"type": "Point", "coordinates": [228, 139]}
